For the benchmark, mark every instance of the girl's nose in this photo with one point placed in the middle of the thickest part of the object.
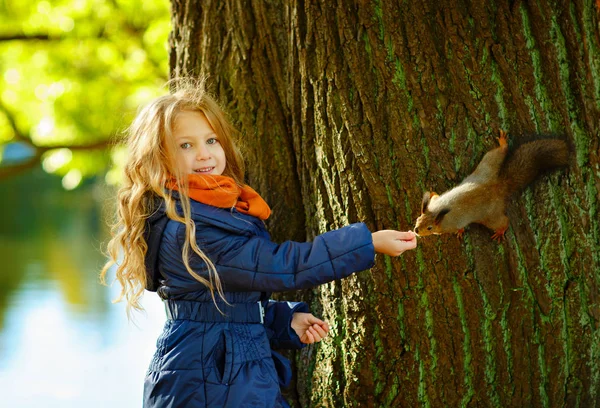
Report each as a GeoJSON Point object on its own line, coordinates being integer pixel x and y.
{"type": "Point", "coordinates": [202, 153]}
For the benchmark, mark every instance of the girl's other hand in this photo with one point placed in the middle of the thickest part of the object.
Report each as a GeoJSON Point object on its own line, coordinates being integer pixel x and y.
{"type": "Point", "coordinates": [309, 328]}
{"type": "Point", "coordinates": [391, 242]}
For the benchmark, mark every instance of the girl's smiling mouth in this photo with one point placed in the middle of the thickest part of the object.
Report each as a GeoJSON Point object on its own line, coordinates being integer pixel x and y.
{"type": "Point", "coordinates": [204, 170]}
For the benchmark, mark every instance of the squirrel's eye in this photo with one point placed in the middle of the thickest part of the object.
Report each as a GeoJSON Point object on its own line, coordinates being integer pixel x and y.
{"type": "Point", "coordinates": [429, 228]}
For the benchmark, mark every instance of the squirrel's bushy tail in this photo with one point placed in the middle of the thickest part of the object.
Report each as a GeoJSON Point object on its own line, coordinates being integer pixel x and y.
{"type": "Point", "coordinates": [530, 160]}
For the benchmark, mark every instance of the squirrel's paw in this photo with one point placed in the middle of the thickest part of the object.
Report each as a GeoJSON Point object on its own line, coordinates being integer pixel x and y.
{"type": "Point", "coordinates": [503, 139]}
{"type": "Point", "coordinates": [499, 234]}
{"type": "Point", "coordinates": [459, 233]}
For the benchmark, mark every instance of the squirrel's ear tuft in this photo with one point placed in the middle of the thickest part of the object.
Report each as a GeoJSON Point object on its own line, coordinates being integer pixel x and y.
{"type": "Point", "coordinates": [425, 202]}
{"type": "Point", "coordinates": [426, 199]}
{"type": "Point", "coordinates": [440, 216]}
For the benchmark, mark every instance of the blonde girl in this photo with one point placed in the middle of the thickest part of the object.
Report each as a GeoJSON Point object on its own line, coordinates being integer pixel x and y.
{"type": "Point", "coordinates": [189, 229]}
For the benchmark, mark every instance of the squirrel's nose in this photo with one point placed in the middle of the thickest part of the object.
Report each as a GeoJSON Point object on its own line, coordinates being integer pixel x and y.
{"type": "Point", "coordinates": [416, 230]}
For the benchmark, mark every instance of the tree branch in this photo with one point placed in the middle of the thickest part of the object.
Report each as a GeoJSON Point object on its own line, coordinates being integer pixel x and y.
{"type": "Point", "coordinates": [49, 37]}
{"type": "Point", "coordinates": [90, 146]}
{"type": "Point", "coordinates": [28, 37]}
{"type": "Point", "coordinates": [9, 171]}
{"type": "Point", "coordinates": [21, 137]}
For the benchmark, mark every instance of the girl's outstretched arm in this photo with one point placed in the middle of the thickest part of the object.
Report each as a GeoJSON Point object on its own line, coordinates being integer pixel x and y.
{"type": "Point", "coordinates": [255, 263]}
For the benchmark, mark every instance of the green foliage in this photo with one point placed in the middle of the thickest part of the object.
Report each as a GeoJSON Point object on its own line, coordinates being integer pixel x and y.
{"type": "Point", "coordinates": [73, 74]}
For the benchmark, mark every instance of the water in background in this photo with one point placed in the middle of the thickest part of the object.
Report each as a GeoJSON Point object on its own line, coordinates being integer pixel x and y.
{"type": "Point", "coordinates": [62, 341]}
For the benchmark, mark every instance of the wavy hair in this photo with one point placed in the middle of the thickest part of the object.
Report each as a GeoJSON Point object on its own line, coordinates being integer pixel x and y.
{"type": "Point", "coordinates": [150, 164]}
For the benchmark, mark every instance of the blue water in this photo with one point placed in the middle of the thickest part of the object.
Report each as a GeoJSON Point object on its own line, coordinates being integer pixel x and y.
{"type": "Point", "coordinates": [63, 343]}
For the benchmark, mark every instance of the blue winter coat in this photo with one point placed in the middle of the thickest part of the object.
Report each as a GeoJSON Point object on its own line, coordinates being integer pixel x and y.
{"type": "Point", "coordinates": [205, 359]}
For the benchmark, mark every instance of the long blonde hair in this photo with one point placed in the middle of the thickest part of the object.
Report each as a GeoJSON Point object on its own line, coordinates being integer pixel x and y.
{"type": "Point", "coordinates": [150, 164]}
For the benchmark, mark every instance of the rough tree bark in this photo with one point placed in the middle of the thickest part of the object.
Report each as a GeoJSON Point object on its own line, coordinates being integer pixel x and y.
{"type": "Point", "coordinates": [349, 111]}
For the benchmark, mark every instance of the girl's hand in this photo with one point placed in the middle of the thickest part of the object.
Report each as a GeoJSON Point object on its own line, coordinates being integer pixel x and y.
{"type": "Point", "coordinates": [393, 243]}
{"type": "Point", "coordinates": [309, 328]}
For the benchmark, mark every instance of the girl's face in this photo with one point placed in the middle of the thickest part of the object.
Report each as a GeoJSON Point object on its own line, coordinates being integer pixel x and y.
{"type": "Point", "coordinates": [198, 150]}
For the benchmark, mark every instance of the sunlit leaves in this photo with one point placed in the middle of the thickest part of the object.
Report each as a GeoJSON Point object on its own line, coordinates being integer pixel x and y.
{"type": "Point", "coordinates": [56, 159]}
{"type": "Point", "coordinates": [5, 132]}
{"type": "Point", "coordinates": [83, 84]}
{"type": "Point", "coordinates": [63, 161]}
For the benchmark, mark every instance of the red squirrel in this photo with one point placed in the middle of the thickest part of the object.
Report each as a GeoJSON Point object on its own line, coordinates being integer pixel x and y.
{"type": "Point", "coordinates": [482, 197]}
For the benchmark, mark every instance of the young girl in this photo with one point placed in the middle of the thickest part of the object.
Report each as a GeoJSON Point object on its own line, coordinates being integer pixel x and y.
{"type": "Point", "coordinates": [191, 230]}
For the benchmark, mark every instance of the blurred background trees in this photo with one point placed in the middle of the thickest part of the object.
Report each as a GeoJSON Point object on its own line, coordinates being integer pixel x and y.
{"type": "Point", "coordinates": [73, 74]}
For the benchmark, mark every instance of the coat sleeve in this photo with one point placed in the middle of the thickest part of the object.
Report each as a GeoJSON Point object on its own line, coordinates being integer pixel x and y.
{"type": "Point", "coordinates": [278, 323]}
{"type": "Point", "coordinates": [253, 263]}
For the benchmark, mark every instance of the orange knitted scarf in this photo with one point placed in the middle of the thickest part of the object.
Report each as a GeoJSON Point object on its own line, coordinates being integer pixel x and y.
{"type": "Point", "coordinates": [223, 192]}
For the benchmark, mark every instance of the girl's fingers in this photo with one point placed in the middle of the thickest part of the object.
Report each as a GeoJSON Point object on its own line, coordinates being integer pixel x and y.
{"type": "Point", "coordinates": [314, 320]}
{"type": "Point", "coordinates": [316, 330]}
{"type": "Point", "coordinates": [317, 337]}
{"type": "Point", "coordinates": [410, 244]}
{"type": "Point", "coordinates": [406, 245]}
{"type": "Point", "coordinates": [320, 330]}
{"type": "Point", "coordinates": [406, 235]}
{"type": "Point", "coordinates": [324, 326]}
{"type": "Point", "coordinates": [314, 334]}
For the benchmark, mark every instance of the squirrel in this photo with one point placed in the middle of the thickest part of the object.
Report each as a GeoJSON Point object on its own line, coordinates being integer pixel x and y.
{"type": "Point", "coordinates": [482, 197]}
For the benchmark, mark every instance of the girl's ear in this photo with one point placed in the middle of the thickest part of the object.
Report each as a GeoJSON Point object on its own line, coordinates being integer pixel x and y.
{"type": "Point", "coordinates": [440, 216]}
{"type": "Point", "coordinates": [426, 199]}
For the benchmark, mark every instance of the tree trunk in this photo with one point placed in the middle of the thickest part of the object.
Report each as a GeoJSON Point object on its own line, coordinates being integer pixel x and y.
{"type": "Point", "coordinates": [349, 112]}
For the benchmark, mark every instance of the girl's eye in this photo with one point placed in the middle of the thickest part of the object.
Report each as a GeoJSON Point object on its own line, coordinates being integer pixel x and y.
{"type": "Point", "coordinates": [185, 145]}
{"type": "Point", "coordinates": [212, 140]}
